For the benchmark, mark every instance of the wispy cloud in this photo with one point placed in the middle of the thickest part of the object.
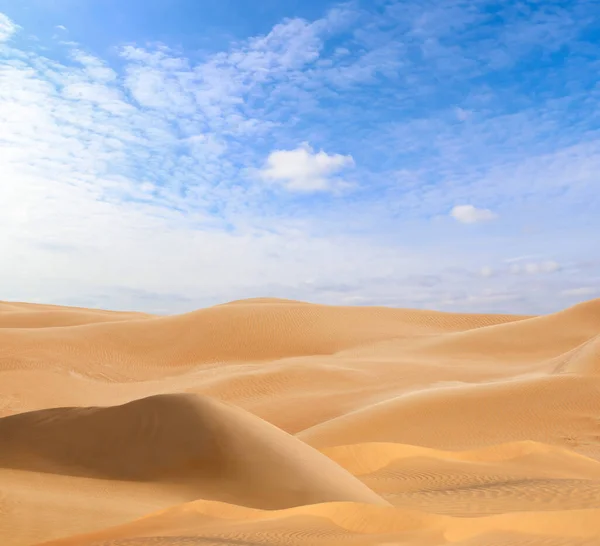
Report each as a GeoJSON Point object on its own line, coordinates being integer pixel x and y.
{"type": "Point", "coordinates": [180, 174]}
{"type": "Point", "coordinates": [531, 268]}
{"type": "Point", "coordinates": [521, 268]}
{"type": "Point", "coordinates": [583, 291]}
{"type": "Point", "coordinates": [7, 27]}
{"type": "Point", "coordinates": [468, 214]}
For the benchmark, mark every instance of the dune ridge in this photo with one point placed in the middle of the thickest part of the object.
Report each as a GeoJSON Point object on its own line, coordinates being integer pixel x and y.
{"type": "Point", "coordinates": [370, 457]}
{"type": "Point", "coordinates": [334, 522]}
{"type": "Point", "coordinates": [238, 332]}
{"type": "Point", "coordinates": [268, 421]}
{"type": "Point", "coordinates": [27, 315]}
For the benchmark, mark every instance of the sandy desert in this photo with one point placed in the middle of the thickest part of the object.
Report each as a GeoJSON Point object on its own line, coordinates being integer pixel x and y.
{"type": "Point", "coordinates": [278, 422]}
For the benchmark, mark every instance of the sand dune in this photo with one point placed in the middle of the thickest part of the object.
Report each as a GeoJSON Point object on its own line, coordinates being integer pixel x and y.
{"type": "Point", "coordinates": [559, 410]}
{"type": "Point", "coordinates": [27, 315]}
{"type": "Point", "coordinates": [521, 339]}
{"type": "Point", "coordinates": [514, 477]}
{"type": "Point", "coordinates": [270, 421]}
{"type": "Point", "coordinates": [333, 523]}
{"type": "Point", "coordinates": [228, 333]}
{"type": "Point", "coordinates": [196, 443]}
{"type": "Point", "coordinates": [360, 459]}
{"type": "Point", "coordinates": [583, 360]}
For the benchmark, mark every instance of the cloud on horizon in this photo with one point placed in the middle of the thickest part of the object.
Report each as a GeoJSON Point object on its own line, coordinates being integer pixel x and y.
{"type": "Point", "coordinates": [316, 161]}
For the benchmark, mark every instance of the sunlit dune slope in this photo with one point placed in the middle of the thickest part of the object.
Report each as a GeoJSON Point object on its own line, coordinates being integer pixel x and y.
{"type": "Point", "coordinates": [560, 406]}
{"type": "Point", "coordinates": [361, 459]}
{"type": "Point", "coordinates": [240, 332]}
{"type": "Point", "coordinates": [562, 410]}
{"type": "Point", "coordinates": [583, 360]}
{"type": "Point", "coordinates": [36, 506]}
{"type": "Point", "coordinates": [533, 338]}
{"type": "Point", "coordinates": [514, 342]}
{"type": "Point", "coordinates": [28, 315]}
{"type": "Point", "coordinates": [333, 523]}
{"type": "Point", "coordinates": [328, 523]}
{"type": "Point", "coordinates": [513, 477]}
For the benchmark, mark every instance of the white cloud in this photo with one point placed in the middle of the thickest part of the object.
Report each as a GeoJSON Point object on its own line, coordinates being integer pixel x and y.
{"type": "Point", "coordinates": [534, 268]}
{"type": "Point", "coordinates": [289, 46]}
{"type": "Point", "coordinates": [486, 271]}
{"type": "Point", "coordinates": [92, 92]}
{"type": "Point", "coordinates": [484, 300]}
{"type": "Point", "coordinates": [303, 170]}
{"type": "Point", "coordinates": [7, 28]}
{"type": "Point", "coordinates": [516, 269]}
{"type": "Point", "coordinates": [518, 259]}
{"type": "Point", "coordinates": [95, 68]}
{"type": "Point", "coordinates": [583, 291]}
{"type": "Point", "coordinates": [202, 144]}
{"type": "Point", "coordinates": [61, 27]}
{"type": "Point", "coordinates": [156, 88]}
{"type": "Point", "coordinates": [462, 114]}
{"type": "Point", "coordinates": [468, 214]}
{"type": "Point", "coordinates": [543, 267]}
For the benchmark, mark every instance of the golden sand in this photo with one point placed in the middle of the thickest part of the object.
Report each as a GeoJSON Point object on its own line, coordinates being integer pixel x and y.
{"type": "Point", "coordinates": [281, 422]}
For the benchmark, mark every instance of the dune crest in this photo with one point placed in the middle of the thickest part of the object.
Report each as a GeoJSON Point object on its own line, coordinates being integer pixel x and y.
{"type": "Point", "coordinates": [370, 457]}
{"type": "Point", "coordinates": [583, 360]}
{"type": "Point", "coordinates": [477, 415]}
{"type": "Point", "coordinates": [27, 315]}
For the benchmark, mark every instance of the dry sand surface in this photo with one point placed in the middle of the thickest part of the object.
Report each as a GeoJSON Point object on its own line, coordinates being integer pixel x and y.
{"type": "Point", "coordinates": [276, 422]}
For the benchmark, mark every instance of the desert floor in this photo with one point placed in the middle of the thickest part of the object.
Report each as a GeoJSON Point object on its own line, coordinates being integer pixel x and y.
{"type": "Point", "coordinates": [285, 423]}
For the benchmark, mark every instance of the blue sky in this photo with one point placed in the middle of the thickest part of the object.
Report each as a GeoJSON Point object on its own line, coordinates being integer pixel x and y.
{"type": "Point", "coordinates": [165, 156]}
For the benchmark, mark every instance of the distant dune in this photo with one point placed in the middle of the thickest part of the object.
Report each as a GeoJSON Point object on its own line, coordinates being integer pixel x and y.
{"type": "Point", "coordinates": [270, 421]}
{"type": "Point", "coordinates": [29, 315]}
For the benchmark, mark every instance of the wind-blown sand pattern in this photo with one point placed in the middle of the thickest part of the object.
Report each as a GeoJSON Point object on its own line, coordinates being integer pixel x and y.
{"type": "Point", "coordinates": [286, 423]}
